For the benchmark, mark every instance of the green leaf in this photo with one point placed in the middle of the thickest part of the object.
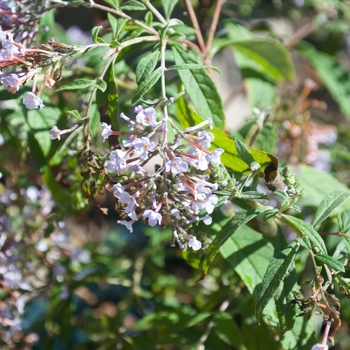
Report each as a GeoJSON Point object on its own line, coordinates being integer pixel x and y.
{"type": "Point", "coordinates": [335, 77]}
{"type": "Point", "coordinates": [277, 271]}
{"type": "Point", "coordinates": [310, 180]}
{"type": "Point", "coordinates": [113, 21]}
{"type": "Point", "coordinates": [110, 96]}
{"type": "Point", "coordinates": [253, 195]}
{"type": "Point", "coordinates": [331, 262]}
{"type": "Point", "coordinates": [74, 113]}
{"type": "Point", "coordinates": [133, 5]}
{"type": "Point", "coordinates": [328, 204]}
{"type": "Point", "coordinates": [301, 336]}
{"type": "Point", "coordinates": [342, 250]}
{"type": "Point", "coordinates": [201, 89]}
{"type": "Point", "coordinates": [94, 35]}
{"type": "Point", "coordinates": [270, 55]}
{"type": "Point", "coordinates": [113, 3]}
{"type": "Point", "coordinates": [227, 330]}
{"type": "Point", "coordinates": [193, 66]}
{"type": "Point", "coordinates": [270, 214]}
{"type": "Point", "coordinates": [146, 66]}
{"type": "Point", "coordinates": [227, 231]}
{"type": "Point", "coordinates": [307, 230]}
{"type": "Point", "coordinates": [230, 158]}
{"type": "Point", "coordinates": [168, 7]}
{"type": "Point", "coordinates": [79, 84]}
{"type": "Point", "coordinates": [250, 255]}
{"type": "Point", "coordinates": [147, 84]}
{"type": "Point", "coordinates": [243, 152]}
{"type": "Point", "coordinates": [343, 220]}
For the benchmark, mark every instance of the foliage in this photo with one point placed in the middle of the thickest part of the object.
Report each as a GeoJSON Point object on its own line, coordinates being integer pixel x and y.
{"type": "Point", "coordinates": [132, 217]}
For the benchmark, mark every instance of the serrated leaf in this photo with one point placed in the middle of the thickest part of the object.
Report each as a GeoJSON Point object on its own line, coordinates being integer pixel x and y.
{"type": "Point", "coordinates": [79, 84]}
{"type": "Point", "coordinates": [226, 232]}
{"type": "Point", "coordinates": [335, 77]}
{"type": "Point", "coordinates": [201, 90]}
{"type": "Point", "coordinates": [168, 7]}
{"type": "Point", "coordinates": [146, 65]}
{"type": "Point", "coordinates": [244, 152]}
{"type": "Point", "coordinates": [328, 204]}
{"type": "Point", "coordinates": [230, 158]}
{"type": "Point", "coordinates": [227, 330]}
{"type": "Point", "coordinates": [277, 271]}
{"type": "Point", "coordinates": [307, 230]}
{"type": "Point", "coordinates": [133, 5]}
{"type": "Point", "coordinates": [331, 262]}
{"type": "Point", "coordinates": [147, 84]}
{"type": "Point", "coordinates": [193, 66]}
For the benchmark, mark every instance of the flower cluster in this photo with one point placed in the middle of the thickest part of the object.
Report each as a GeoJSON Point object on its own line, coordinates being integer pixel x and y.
{"type": "Point", "coordinates": [181, 189]}
{"type": "Point", "coordinates": [24, 248]}
{"type": "Point", "coordinates": [23, 64]}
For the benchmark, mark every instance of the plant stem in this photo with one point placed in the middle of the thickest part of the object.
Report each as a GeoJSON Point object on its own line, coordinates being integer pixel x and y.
{"type": "Point", "coordinates": [155, 11]}
{"type": "Point", "coordinates": [195, 24]}
{"type": "Point", "coordinates": [213, 26]}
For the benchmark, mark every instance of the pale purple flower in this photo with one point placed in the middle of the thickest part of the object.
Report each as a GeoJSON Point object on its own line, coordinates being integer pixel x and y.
{"type": "Point", "coordinates": [203, 162]}
{"type": "Point", "coordinates": [205, 139]}
{"type": "Point", "coordinates": [118, 189]}
{"type": "Point", "coordinates": [153, 217]}
{"type": "Point", "coordinates": [146, 116]}
{"type": "Point", "coordinates": [176, 166]}
{"type": "Point", "coordinates": [215, 156]}
{"type": "Point", "coordinates": [175, 212]}
{"type": "Point", "coordinates": [211, 201]}
{"type": "Point", "coordinates": [208, 220]}
{"type": "Point", "coordinates": [132, 215]}
{"type": "Point", "coordinates": [106, 131]}
{"type": "Point", "coordinates": [12, 81]}
{"type": "Point", "coordinates": [130, 200]}
{"type": "Point", "coordinates": [128, 143]}
{"type": "Point", "coordinates": [117, 161]}
{"type": "Point", "coordinates": [128, 224]}
{"type": "Point", "coordinates": [194, 243]}
{"type": "Point", "coordinates": [32, 101]}
{"type": "Point", "coordinates": [143, 146]}
{"type": "Point", "coordinates": [55, 133]}
{"type": "Point", "coordinates": [320, 347]}
{"type": "Point", "coordinates": [201, 191]}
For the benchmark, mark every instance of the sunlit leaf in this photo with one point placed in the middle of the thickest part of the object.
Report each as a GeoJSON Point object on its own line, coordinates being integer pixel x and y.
{"type": "Point", "coordinates": [230, 158]}
{"type": "Point", "coordinates": [331, 202]}
{"type": "Point", "coordinates": [201, 89]}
